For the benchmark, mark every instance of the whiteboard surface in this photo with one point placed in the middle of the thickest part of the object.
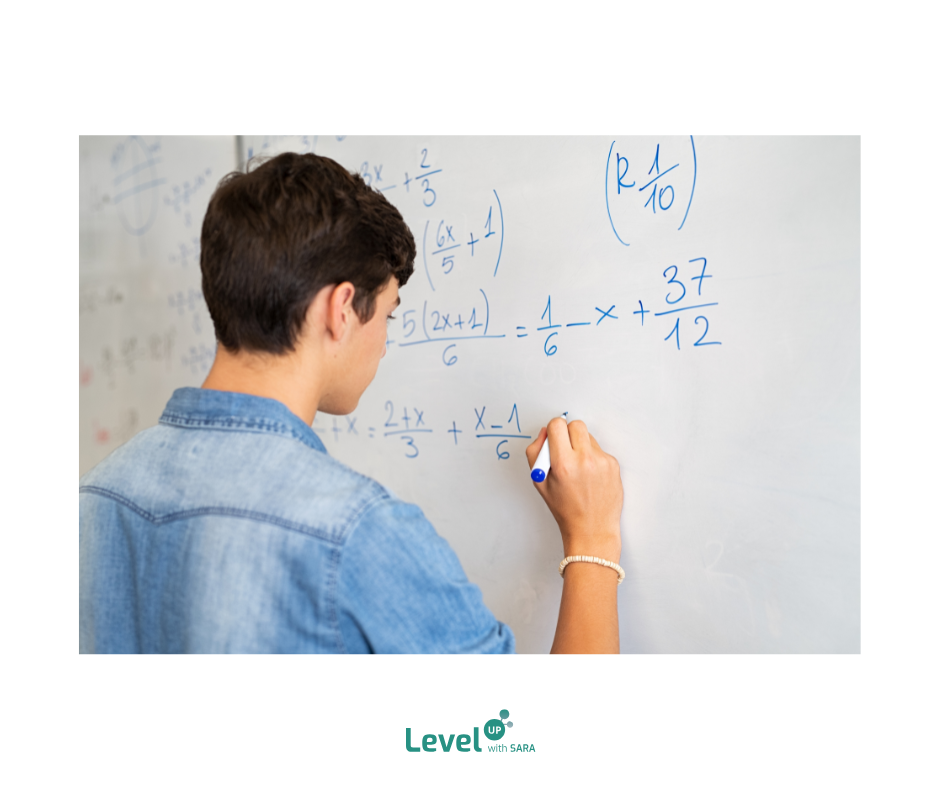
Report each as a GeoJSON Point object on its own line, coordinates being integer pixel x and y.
{"type": "Point", "coordinates": [740, 460]}
{"type": "Point", "coordinates": [144, 329]}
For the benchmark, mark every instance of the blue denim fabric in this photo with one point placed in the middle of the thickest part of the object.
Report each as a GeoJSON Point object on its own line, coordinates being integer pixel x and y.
{"type": "Point", "coordinates": [228, 528]}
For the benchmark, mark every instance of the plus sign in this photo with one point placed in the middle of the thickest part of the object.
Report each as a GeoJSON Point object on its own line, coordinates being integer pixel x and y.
{"type": "Point", "coordinates": [454, 430]}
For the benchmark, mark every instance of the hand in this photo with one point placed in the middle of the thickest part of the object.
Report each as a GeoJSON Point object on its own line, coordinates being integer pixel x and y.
{"type": "Point", "coordinates": [583, 490]}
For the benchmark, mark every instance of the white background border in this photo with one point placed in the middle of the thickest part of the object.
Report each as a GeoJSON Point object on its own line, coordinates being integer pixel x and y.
{"type": "Point", "coordinates": [818, 67]}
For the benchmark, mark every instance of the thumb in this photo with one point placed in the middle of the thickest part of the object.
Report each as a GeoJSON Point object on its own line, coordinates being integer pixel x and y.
{"type": "Point", "coordinates": [533, 449]}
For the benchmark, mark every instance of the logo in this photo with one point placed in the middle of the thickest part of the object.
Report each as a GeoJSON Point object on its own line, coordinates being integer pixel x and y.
{"type": "Point", "coordinates": [493, 729]}
{"type": "Point", "coordinates": [496, 729]}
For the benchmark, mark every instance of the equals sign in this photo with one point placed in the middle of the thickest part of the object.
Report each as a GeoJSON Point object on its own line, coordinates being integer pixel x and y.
{"type": "Point", "coordinates": [371, 431]}
{"type": "Point", "coordinates": [521, 328]}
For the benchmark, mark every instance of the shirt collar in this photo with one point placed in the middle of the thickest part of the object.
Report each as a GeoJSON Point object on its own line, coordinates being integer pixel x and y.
{"type": "Point", "coordinates": [206, 408]}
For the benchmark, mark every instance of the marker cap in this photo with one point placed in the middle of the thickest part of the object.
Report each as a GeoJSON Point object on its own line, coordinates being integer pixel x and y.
{"type": "Point", "coordinates": [538, 475]}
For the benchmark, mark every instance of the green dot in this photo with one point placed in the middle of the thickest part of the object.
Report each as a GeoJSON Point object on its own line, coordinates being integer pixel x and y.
{"type": "Point", "coordinates": [503, 714]}
{"type": "Point", "coordinates": [494, 730]}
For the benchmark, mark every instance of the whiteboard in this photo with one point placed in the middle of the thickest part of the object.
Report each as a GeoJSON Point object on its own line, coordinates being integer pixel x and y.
{"type": "Point", "coordinates": [144, 329]}
{"type": "Point", "coordinates": [694, 300]}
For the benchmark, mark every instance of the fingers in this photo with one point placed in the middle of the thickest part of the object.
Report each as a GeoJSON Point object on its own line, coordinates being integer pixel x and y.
{"type": "Point", "coordinates": [579, 436]}
{"type": "Point", "coordinates": [610, 457]}
{"type": "Point", "coordinates": [563, 438]}
{"type": "Point", "coordinates": [558, 441]}
{"type": "Point", "coordinates": [533, 449]}
{"type": "Point", "coordinates": [581, 439]}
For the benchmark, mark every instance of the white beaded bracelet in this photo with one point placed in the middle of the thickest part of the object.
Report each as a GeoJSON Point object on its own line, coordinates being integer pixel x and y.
{"type": "Point", "coordinates": [591, 559]}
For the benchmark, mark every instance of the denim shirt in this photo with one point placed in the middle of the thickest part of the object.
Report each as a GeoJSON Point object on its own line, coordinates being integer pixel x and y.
{"type": "Point", "coordinates": [228, 528]}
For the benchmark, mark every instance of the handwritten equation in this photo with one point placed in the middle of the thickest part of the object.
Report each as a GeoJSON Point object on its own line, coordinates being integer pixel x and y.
{"type": "Point", "coordinates": [136, 177]}
{"type": "Point", "coordinates": [676, 294]}
{"type": "Point", "coordinates": [190, 303]}
{"type": "Point", "coordinates": [418, 180]}
{"type": "Point", "coordinates": [407, 425]}
{"type": "Point", "coordinates": [186, 253]}
{"type": "Point", "coordinates": [450, 249]}
{"type": "Point", "coordinates": [132, 355]}
{"type": "Point", "coordinates": [662, 192]}
{"type": "Point", "coordinates": [93, 299]}
{"type": "Point", "coordinates": [648, 183]}
{"type": "Point", "coordinates": [199, 358]}
{"type": "Point", "coordinates": [473, 321]}
{"type": "Point", "coordinates": [129, 354]}
{"type": "Point", "coordinates": [180, 197]}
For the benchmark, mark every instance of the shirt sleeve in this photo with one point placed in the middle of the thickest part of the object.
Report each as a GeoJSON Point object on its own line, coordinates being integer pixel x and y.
{"type": "Point", "coordinates": [401, 589]}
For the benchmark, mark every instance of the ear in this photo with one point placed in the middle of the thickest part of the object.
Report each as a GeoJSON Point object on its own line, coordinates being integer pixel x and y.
{"type": "Point", "coordinates": [339, 313]}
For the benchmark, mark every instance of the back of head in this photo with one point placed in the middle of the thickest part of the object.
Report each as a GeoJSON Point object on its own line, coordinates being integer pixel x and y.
{"type": "Point", "coordinates": [277, 234]}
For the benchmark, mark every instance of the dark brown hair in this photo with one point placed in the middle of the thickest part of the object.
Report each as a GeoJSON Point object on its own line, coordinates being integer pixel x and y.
{"type": "Point", "coordinates": [274, 236]}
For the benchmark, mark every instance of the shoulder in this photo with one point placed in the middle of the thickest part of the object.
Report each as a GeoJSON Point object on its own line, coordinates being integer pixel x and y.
{"type": "Point", "coordinates": [168, 473]}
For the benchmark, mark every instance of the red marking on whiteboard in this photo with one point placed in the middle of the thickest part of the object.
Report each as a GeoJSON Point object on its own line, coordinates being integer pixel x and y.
{"type": "Point", "coordinates": [102, 435]}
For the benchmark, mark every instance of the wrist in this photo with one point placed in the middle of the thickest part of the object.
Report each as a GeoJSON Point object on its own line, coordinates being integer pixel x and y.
{"type": "Point", "coordinates": [584, 562]}
{"type": "Point", "coordinates": [608, 547]}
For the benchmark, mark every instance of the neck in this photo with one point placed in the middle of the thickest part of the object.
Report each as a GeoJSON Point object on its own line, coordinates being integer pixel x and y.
{"type": "Point", "coordinates": [283, 378]}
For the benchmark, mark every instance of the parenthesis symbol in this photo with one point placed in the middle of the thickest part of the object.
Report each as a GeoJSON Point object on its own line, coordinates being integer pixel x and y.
{"type": "Point", "coordinates": [424, 255]}
{"type": "Point", "coordinates": [694, 177]}
{"type": "Point", "coordinates": [607, 196]}
{"type": "Point", "coordinates": [424, 320]}
{"type": "Point", "coordinates": [502, 233]}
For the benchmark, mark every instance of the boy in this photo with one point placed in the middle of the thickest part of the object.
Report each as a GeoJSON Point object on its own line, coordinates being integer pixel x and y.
{"type": "Point", "coordinates": [228, 528]}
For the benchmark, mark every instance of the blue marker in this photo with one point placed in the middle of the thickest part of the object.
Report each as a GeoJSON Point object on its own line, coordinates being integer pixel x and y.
{"type": "Point", "coordinates": [543, 461]}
